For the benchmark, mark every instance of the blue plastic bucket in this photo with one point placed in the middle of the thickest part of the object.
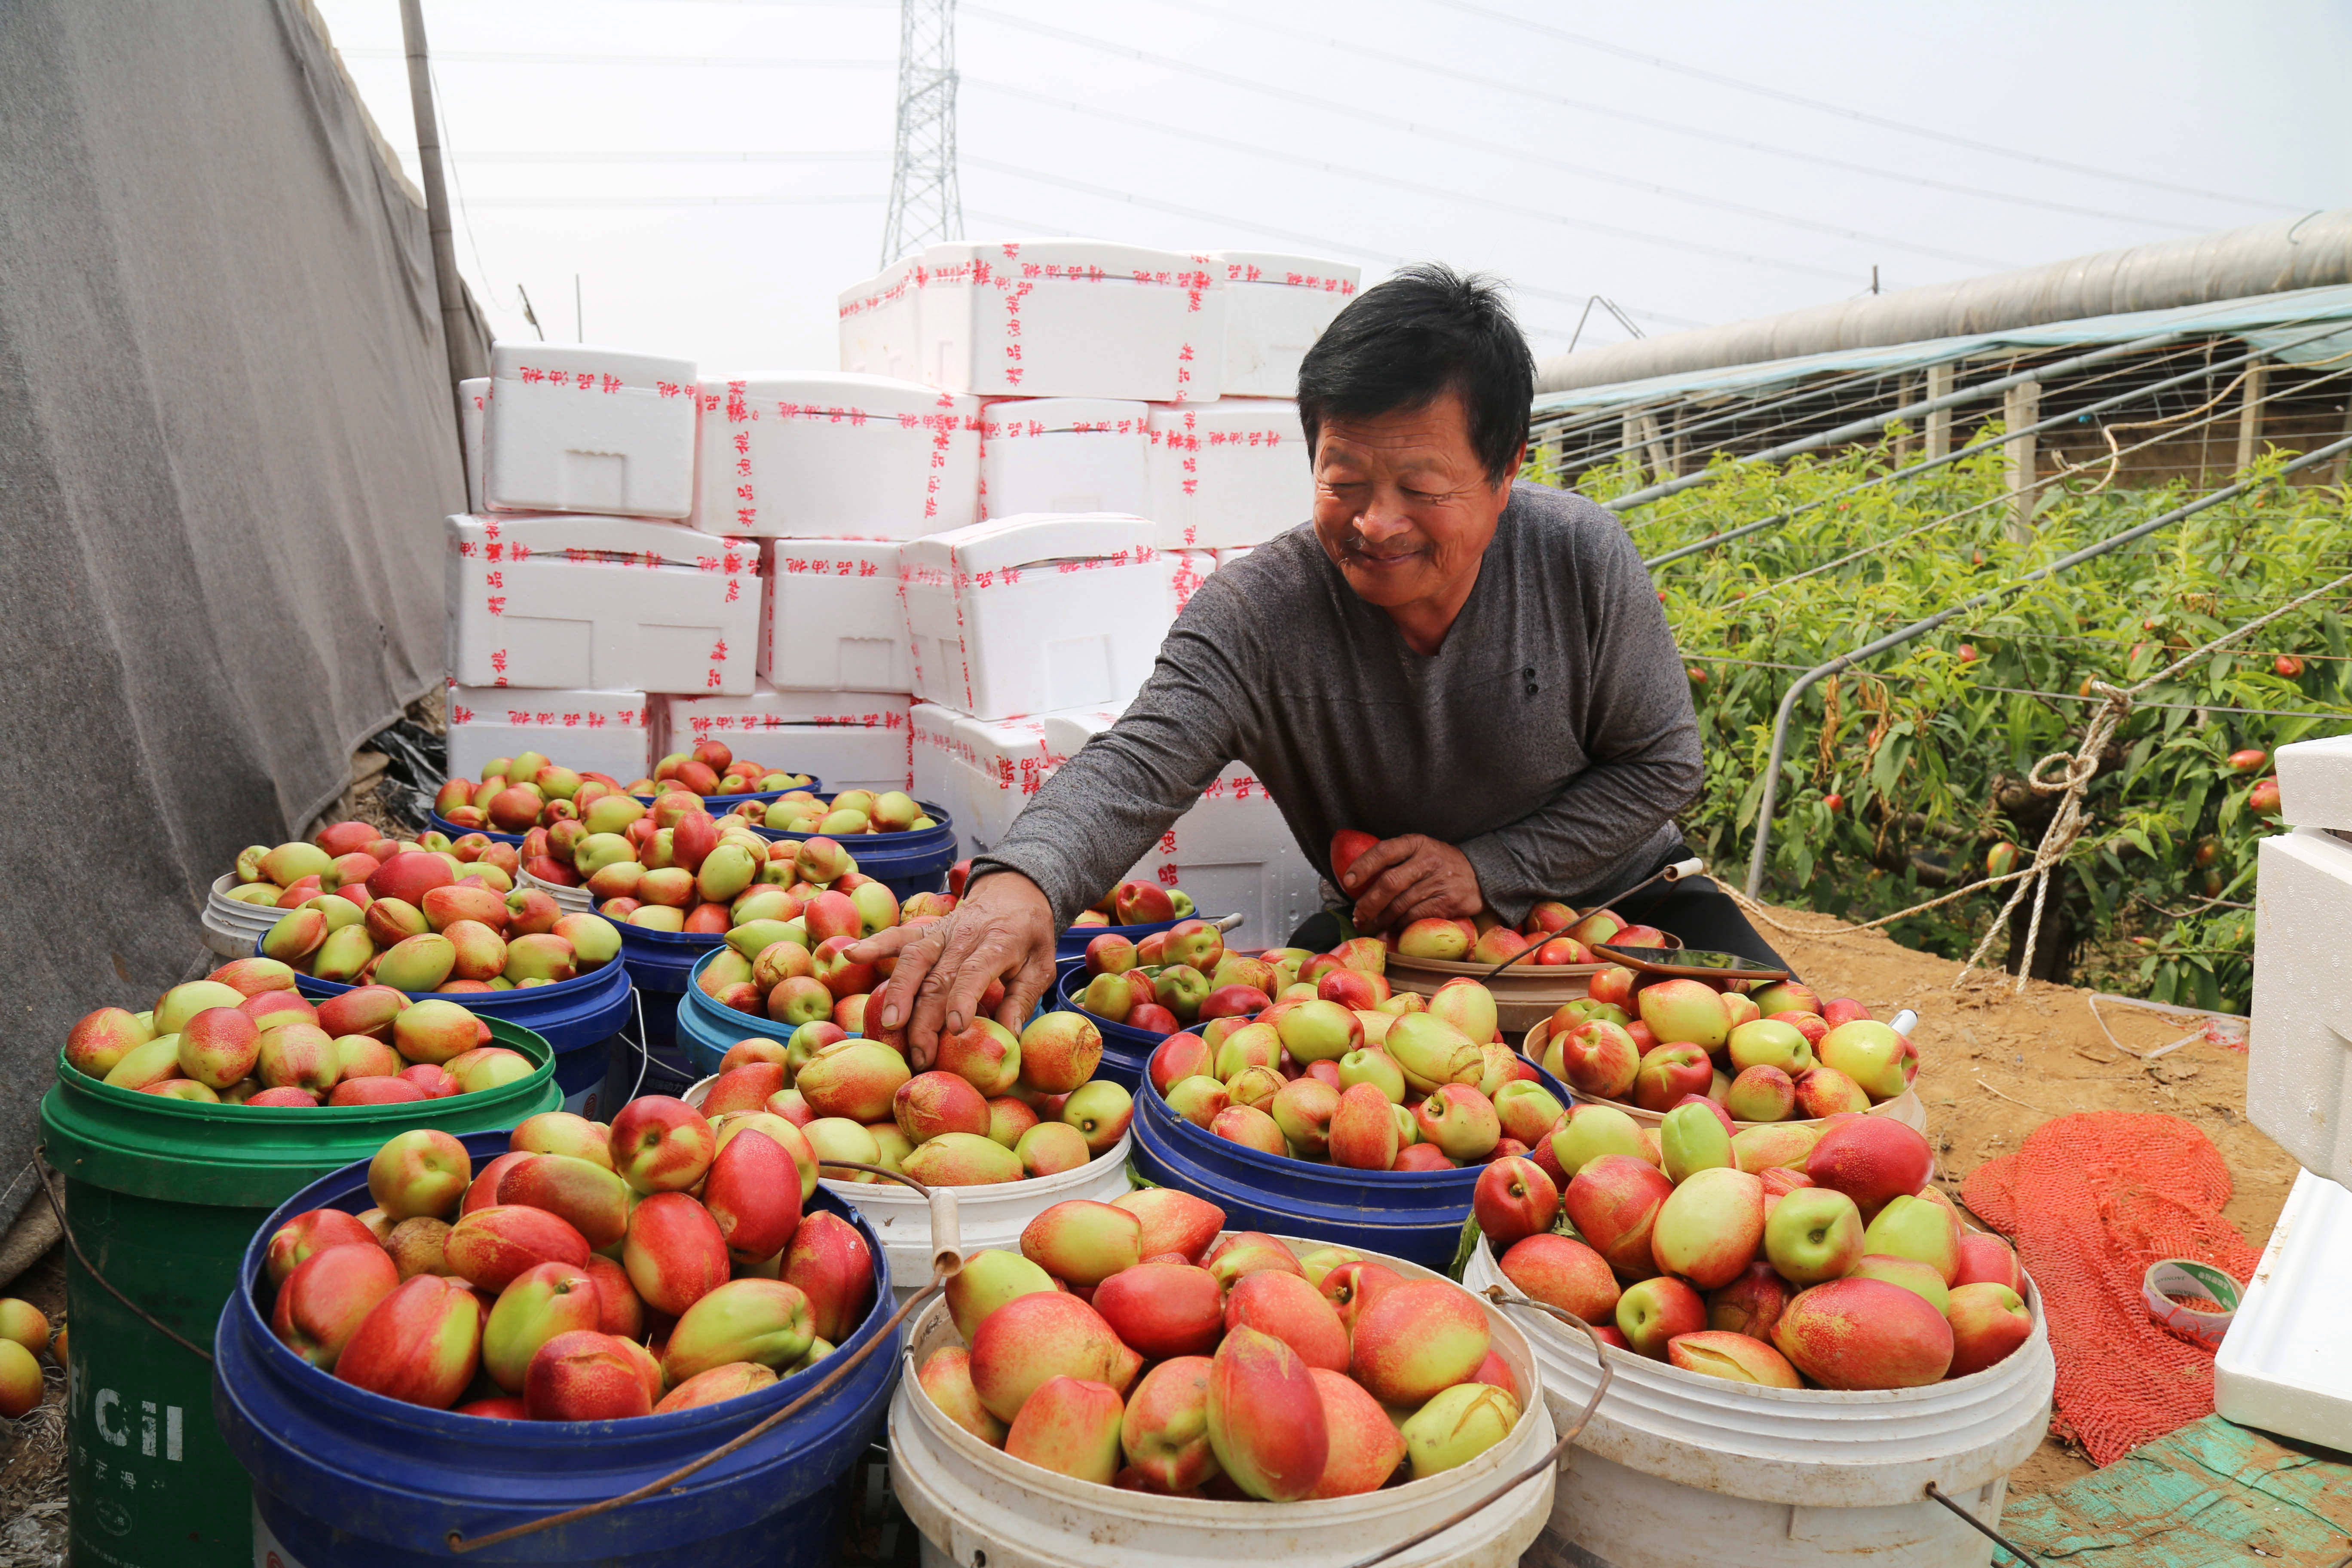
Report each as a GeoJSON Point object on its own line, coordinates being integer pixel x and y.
{"type": "Point", "coordinates": [1125, 1050]}
{"type": "Point", "coordinates": [1412, 1214]}
{"type": "Point", "coordinates": [717, 805]}
{"type": "Point", "coordinates": [705, 1028]}
{"type": "Point", "coordinates": [578, 1017]}
{"type": "Point", "coordinates": [443, 824]}
{"type": "Point", "coordinates": [906, 863]}
{"type": "Point", "coordinates": [659, 962]}
{"type": "Point", "coordinates": [1071, 943]}
{"type": "Point", "coordinates": [349, 1479]}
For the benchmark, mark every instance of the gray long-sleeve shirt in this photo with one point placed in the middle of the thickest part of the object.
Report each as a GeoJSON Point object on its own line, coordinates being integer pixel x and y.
{"type": "Point", "coordinates": [1551, 738]}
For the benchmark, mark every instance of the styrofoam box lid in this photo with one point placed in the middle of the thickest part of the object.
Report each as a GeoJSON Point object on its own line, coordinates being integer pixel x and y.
{"type": "Point", "coordinates": [1047, 260]}
{"type": "Point", "coordinates": [847, 394]}
{"type": "Point", "coordinates": [2316, 783]}
{"type": "Point", "coordinates": [2286, 1364]}
{"type": "Point", "coordinates": [1028, 536]}
{"type": "Point", "coordinates": [1281, 270]}
{"type": "Point", "coordinates": [767, 706]}
{"type": "Point", "coordinates": [885, 286]}
{"type": "Point", "coordinates": [651, 371]}
{"type": "Point", "coordinates": [1003, 419]}
{"type": "Point", "coordinates": [523, 705]}
{"type": "Point", "coordinates": [1243, 415]}
{"type": "Point", "coordinates": [1072, 728]}
{"type": "Point", "coordinates": [572, 535]}
{"type": "Point", "coordinates": [815, 557]}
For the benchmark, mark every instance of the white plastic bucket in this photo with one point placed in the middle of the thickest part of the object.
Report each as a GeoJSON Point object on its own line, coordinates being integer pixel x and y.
{"type": "Point", "coordinates": [570, 900]}
{"type": "Point", "coordinates": [990, 1217]}
{"type": "Point", "coordinates": [231, 927]}
{"type": "Point", "coordinates": [1682, 1470]}
{"type": "Point", "coordinates": [978, 1507]}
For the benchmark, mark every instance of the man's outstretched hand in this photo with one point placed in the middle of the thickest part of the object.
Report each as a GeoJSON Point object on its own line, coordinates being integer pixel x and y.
{"type": "Point", "coordinates": [1002, 929]}
{"type": "Point", "coordinates": [1399, 880]}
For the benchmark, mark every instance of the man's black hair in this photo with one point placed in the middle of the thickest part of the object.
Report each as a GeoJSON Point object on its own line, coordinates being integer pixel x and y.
{"type": "Point", "coordinates": [1407, 341]}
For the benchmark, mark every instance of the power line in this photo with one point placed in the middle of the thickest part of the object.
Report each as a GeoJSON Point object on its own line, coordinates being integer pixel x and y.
{"type": "Point", "coordinates": [513, 58]}
{"type": "Point", "coordinates": [1883, 122]}
{"type": "Point", "coordinates": [621, 157]}
{"type": "Point", "coordinates": [1332, 106]}
{"type": "Point", "coordinates": [1441, 194]}
{"type": "Point", "coordinates": [775, 199]}
{"type": "Point", "coordinates": [1488, 84]}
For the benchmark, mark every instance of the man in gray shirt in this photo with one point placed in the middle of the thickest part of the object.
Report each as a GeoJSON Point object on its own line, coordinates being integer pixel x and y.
{"type": "Point", "coordinates": [1472, 669]}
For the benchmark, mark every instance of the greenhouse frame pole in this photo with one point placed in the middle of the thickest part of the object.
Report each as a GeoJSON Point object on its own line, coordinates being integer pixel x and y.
{"type": "Point", "coordinates": [1918, 628]}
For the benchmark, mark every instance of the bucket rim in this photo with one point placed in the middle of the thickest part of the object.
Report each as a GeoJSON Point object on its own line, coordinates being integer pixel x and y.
{"type": "Point", "coordinates": [878, 843]}
{"type": "Point", "coordinates": [578, 985]}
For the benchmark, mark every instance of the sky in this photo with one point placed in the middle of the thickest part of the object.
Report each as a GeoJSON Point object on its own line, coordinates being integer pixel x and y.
{"type": "Point", "coordinates": [704, 177]}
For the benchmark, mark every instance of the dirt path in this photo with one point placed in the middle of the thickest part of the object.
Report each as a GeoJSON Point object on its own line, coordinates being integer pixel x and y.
{"type": "Point", "coordinates": [1995, 1064]}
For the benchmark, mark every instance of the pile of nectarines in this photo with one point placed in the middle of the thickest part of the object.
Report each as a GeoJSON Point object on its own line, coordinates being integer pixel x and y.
{"type": "Point", "coordinates": [590, 1273]}
{"type": "Point", "coordinates": [1788, 1257]}
{"type": "Point", "coordinates": [1271, 1375]}
{"type": "Point", "coordinates": [517, 793]}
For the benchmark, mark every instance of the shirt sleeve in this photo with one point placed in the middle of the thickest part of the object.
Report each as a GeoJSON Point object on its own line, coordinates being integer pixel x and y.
{"type": "Point", "coordinates": [1103, 809]}
{"type": "Point", "coordinates": [1640, 734]}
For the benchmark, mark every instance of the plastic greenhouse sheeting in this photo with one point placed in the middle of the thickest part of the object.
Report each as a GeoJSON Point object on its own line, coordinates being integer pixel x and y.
{"type": "Point", "coordinates": [228, 438]}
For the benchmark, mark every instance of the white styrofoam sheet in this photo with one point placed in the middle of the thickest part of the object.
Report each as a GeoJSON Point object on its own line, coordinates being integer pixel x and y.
{"type": "Point", "coordinates": [1275, 307]}
{"type": "Point", "coordinates": [600, 604]}
{"type": "Point", "coordinates": [757, 725]}
{"type": "Point", "coordinates": [834, 455]}
{"type": "Point", "coordinates": [1070, 317]}
{"type": "Point", "coordinates": [578, 427]}
{"type": "Point", "coordinates": [1065, 454]}
{"type": "Point", "coordinates": [1227, 474]}
{"type": "Point", "coordinates": [2298, 1087]}
{"type": "Point", "coordinates": [1026, 615]}
{"type": "Point", "coordinates": [832, 619]}
{"type": "Point", "coordinates": [589, 732]}
{"type": "Point", "coordinates": [2316, 783]}
{"type": "Point", "coordinates": [2286, 1364]}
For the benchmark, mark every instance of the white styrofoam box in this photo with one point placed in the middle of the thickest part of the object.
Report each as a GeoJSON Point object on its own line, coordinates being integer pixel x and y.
{"type": "Point", "coordinates": [1063, 454]}
{"type": "Point", "coordinates": [945, 773]}
{"type": "Point", "coordinates": [1030, 612]}
{"type": "Point", "coordinates": [846, 756]}
{"type": "Point", "coordinates": [878, 326]}
{"type": "Point", "coordinates": [2285, 1365]}
{"type": "Point", "coordinates": [574, 427]}
{"type": "Point", "coordinates": [1228, 474]}
{"type": "Point", "coordinates": [1187, 570]}
{"type": "Point", "coordinates": [750, 725]}
{"type": "Point", "coordinates": [1070, 317]}
{"type": "Point", "coordinates": [2316, 783]}
{"type": "Point", "coordinates": [832, 620]}
{"type": "Point", "coordinates": [834, 455]}
{"type": "Point", "coordinates": [1010, 761]}
{"type": "Point", "coordinates": [1231, 851]}
{"type": "Point", "coordinates": [2299, 1050]}
{"type": "Point", "coordinates": [1275, 307]}
{"type": "Point", "coordinates": [473, 411]}
{"type": "Point", "coordinates": [589, 732]}
{"type": "Point", "coordinates": [600, 604]}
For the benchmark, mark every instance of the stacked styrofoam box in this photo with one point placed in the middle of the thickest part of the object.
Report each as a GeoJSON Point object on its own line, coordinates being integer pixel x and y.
{"type": "Point", "coordinates": [473, 414]}
{"type": "Point", "coordinates": [944, 771]}
{"type": "Point", "coordinates": [1227, 473]}
{"type": "Point", "coordinates": [574, 428]}
{"type": "Point", "coordinates": [592, 731]}
{"type": "Point", "coordinates": [1186, 571]}
{"type": "Point", "coordinates": [1231, 852]}
{"type": "Point", "coordinates": [834, 455]}
{"type": "Point", "coordinates": [832, 620]}
{"type": "Point", "coordinates": [851, 739]}
{"type": "Point", "coordinates": [1064, 455]}
{"type": "Point", "coordinates": [1028, 614]}
{"type": "Point", "coordinates": [879, 329]}
{"type": "Point", "coordinates": [1275, 307]}
{"type": "Point", "coordinates": [574, 602]}
{"type": "Point", "coordinates": [2299, 1068]}
{"type": "Point", "coordinates": [1010, 763]}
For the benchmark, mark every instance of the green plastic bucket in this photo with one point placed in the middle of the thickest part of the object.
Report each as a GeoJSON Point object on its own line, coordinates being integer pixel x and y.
{"type": "Point", "coordinates": [163, 1197]}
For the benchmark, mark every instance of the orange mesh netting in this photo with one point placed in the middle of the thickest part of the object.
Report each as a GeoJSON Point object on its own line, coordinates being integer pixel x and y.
{"type": "Point", "coordinates": [2091, 1200]}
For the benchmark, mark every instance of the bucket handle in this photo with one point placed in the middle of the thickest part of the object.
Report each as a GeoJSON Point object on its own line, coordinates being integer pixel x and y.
{"type": "Point", "coordinates": [1498, 1295]}
{"type": "Point", "coordinates": [947, 1261]}
{"type": "Point", "coordinates": [41, 1170]}
{"type": "Point", "coordinates": [1936, 1495]}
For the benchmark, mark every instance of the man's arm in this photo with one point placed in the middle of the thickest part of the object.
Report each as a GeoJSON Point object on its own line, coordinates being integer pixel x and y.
{"type": "Point", "coordinates": [1639, 735]}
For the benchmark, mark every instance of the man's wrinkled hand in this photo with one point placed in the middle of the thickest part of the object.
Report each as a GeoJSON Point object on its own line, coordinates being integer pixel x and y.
{"type": "Point", "coordinates": [1002, 929]}
{"type": "Point", "coordinates": [1399, 880]}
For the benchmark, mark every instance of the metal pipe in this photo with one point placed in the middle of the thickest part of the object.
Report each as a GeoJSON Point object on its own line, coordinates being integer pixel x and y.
{"type": "Point", "coordinates": [1918, 628]}
{"type": "Point", "coordinates": [1982, 389]}
{"type": "Point", "coordinates": [2054, 422]}
{"type": "Point", "coordinates": [456, 327]}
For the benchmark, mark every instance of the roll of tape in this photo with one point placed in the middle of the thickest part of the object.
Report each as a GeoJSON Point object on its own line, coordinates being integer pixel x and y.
{"type": "Point", "coordinates": [2180, 1276]}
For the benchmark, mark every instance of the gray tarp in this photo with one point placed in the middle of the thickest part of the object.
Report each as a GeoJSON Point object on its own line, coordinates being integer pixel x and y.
{"type": "Point", "coordinates": [226, 442]}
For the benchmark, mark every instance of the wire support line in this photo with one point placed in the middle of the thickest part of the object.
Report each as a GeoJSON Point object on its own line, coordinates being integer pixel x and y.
{"type": "Point", "coordinates": [1861, 117]}
{"type": "Point", "coordinates": [1487, 84]}
{"type": "Point", "coordinates": [772, 200]}
{"type": "Point", "coordinates": [1436, 133]}
{"type": "Point", "coordinates": [878, 155]}
{"type": "Point", "coordinates": [1339, 246]}
{"type": "Point", "coordinates": [1918, 628]}
{"type": "Point", "coordinates": [2343, 712]}
{"type": "Point", "coordinates": [535, 58]}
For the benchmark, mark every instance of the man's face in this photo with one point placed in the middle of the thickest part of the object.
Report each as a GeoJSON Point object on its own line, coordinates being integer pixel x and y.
{"type": "Point", "coordinates": [1402, 504]}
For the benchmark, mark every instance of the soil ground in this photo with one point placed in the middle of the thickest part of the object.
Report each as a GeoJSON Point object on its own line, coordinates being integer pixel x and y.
{"type": "Point", "coordinates": [1995, 1064]}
